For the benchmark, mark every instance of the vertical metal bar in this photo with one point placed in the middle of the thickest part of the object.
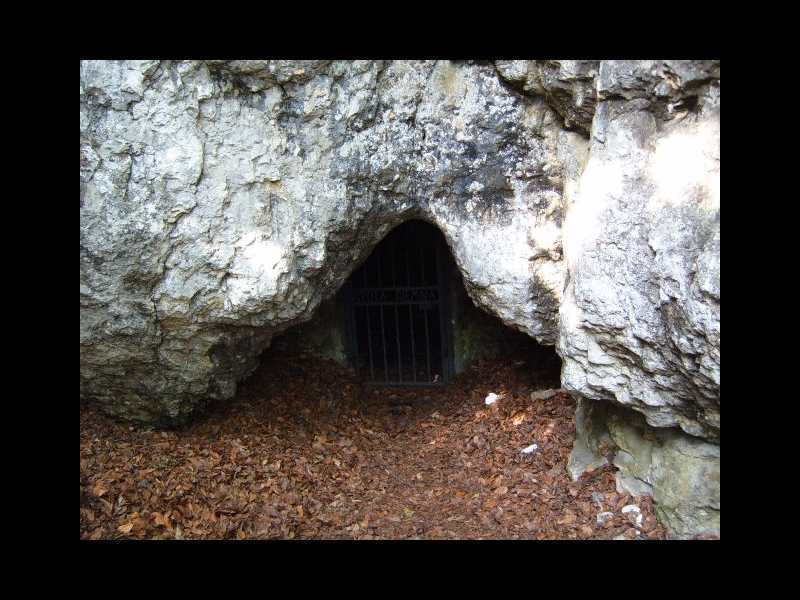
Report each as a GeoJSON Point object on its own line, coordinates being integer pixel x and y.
{"type": "Point", "coordinates": [364, 269]}
{"type": "Point", "coordinates": [383, 341]}
{"type": "Point", "coordinates": [443, 300]}
{"type": "Point", "coordinates": [369, 345]}
{"type": "Point", "coordinates": [421, 264]}
{"type": "Point", "coordinates": [394, 272]}
{"type": "Point", "coordinates": [413, 350]}
{"type": "Point", "coordinates": [396, 313]}
{"type": "Point", "coordinates": [424, 308]}
{"type": "Point", "coordinates": [427, 344]}
{"type": "Point", "coordinates": [410, 310]}
{"type": "Point", "coordinates": [397, 331]}
{"type": "Point", "coordinates": [408, 268]}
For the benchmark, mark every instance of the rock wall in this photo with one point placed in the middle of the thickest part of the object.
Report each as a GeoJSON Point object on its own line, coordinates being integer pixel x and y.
{"type": "Point", "coordinates": [223, 201]}
{"type": "Point", "coordinates": [324, 336]}
{"type": "Point", "coordinates": [639, 320]}
{"type": "Point", "coordinates": [680, 472]}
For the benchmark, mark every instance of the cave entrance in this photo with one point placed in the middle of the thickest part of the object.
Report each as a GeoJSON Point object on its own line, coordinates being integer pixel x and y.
{"type": "Point", "coordinates": [399, 330]}
{"type": "Point", "coordinates": [376, 323]}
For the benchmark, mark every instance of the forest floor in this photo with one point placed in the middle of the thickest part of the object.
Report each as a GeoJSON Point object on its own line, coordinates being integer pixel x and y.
{"type": "Point", "coordinates": [306, 452]}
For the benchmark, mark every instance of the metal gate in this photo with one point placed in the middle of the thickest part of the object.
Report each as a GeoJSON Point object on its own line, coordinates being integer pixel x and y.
{"type": "Point", "coordinates": [398, 316]}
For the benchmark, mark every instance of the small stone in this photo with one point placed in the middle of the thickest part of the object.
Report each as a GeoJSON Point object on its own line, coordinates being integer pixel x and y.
{"type": "Point", "coordinates": [633, 513]}
{"type": "Point", "coordinates": [544, 394]}
{"type": "Point", "coordinates": [604, 517]}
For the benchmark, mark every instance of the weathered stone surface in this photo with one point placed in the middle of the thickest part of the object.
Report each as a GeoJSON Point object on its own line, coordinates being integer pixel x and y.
{"type": "Point", "coordinates": [222, 201]}
{"type": "Point", "coordinates": [639, 320]}
{"type": "Point", "coordinates": [680, 472]}
{"type": "Point", "coordinates": [568, 86]}
{"type": "Point", "coordinates": [592, 441]}
{"type": "Point", "coordinates": [544, 394]}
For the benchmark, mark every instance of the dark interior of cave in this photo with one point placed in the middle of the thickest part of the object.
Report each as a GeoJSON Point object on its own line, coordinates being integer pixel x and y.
{"type": "Point", "coordinates": [398, 330]}
{"type": "Point", "coordinates": [403, 318]}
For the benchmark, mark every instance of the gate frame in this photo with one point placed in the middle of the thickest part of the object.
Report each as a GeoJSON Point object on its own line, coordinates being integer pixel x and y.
{"type": "Point", "coordinates": [443, 271]}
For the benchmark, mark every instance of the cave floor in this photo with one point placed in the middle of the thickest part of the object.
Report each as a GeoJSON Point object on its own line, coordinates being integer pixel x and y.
{"type": "Point", "coordinates": [306, 452]}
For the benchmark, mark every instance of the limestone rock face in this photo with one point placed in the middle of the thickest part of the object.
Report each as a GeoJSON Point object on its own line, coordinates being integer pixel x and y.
{"type": "Point", "coordinates": [568, 86]}
{"type": "Point", "coordinates": [222, 201]}
{"type": "Point", "coordinates": [680, 472]}
{"type": "Point", "coordinates": [639, 320]}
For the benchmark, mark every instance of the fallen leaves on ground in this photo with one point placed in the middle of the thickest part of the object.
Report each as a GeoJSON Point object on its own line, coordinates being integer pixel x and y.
{"type": "Point", "coordinates": [306, 451]}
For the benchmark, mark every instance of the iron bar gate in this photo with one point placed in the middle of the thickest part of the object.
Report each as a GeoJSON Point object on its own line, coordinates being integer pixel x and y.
{"type": "Point", "coordinates": [397, 308]}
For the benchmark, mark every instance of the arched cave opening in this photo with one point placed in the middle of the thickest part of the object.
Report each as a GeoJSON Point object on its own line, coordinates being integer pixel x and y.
{"type": "Point", "coordinates": [404, 318]}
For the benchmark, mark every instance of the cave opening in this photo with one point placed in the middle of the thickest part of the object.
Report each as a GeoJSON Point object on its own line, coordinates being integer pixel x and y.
{"type": "Point", "coordinates": [398, 330]}
{"type": "Point", "coordinates": [404, 318]}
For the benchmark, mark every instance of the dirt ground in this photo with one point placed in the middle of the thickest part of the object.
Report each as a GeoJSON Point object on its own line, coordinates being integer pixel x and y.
{"type": "Point", "coordinates": [306, 452]}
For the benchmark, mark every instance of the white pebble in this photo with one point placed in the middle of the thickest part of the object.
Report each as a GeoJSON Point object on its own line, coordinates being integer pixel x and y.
{"type": "Point", "coordinates": [634, 514]}
{"type": "Point", "coordinates": [604, 517]}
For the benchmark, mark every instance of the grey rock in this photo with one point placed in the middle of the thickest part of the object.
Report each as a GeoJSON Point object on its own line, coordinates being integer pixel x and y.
{"type": "Point", "coordinates": [633, 513]}
{"type": "Point", "coordinates": [592, 440]}
{"type": "Point", "coordinates": [604, 517]}
{"type": "Point", "coordinates": [680, 472]}
{"type": "Point", "coordinates": [544, 394]}
{"type": "Point", "coordinates": [567, 85]}
{"type": "Point", "coordinates": [223, 201]}
{"type": "Point", "coordinates": [639, 319]}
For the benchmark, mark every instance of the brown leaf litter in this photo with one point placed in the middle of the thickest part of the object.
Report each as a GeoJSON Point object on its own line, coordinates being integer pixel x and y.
{"type": "Point", "coordinates": [307, 452]}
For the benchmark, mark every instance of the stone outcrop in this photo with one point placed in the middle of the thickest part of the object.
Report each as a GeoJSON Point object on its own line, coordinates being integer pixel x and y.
{"type": "Point", "coordinates": [680, 472]}
{"type": "Point", "coordinates": [223, 201]}
{"type": "Point", "coordinates": [639, 320]}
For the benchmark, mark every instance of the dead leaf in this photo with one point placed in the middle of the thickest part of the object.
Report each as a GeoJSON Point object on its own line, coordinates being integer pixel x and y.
{"type": "Point", "coordinates": [248, 471]}
{"type": "Point", "coordinates": [125, 528]}
{"type": "Point", "coordinates": [568, 519]}
{"type": "Point", "coordinates": [162, 520]}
